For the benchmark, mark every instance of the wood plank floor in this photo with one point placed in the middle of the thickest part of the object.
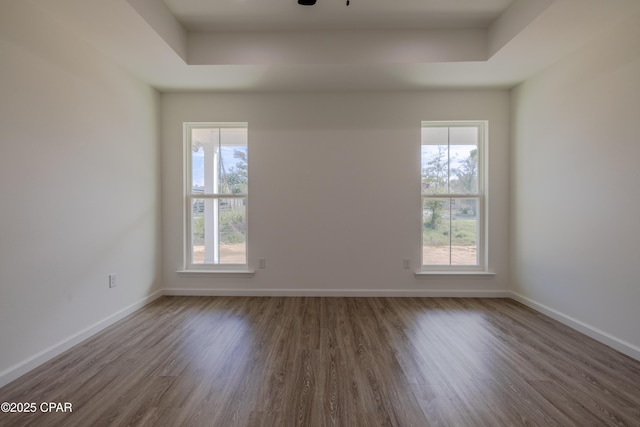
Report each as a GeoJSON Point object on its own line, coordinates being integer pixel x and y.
{"type": "Point", "coordinates": [235, 361]}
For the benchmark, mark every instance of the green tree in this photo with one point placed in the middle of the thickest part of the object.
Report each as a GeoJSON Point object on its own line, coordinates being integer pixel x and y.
{"type": "Point", "coordinates": [436, 173]}
{"type": "Point", "coordinates": [435, 207]}
{"type": "Point", "coordinates": [467, 173]}
{"type": "Point", "coordinates": [241, 165]}
{"type": "Point", "coordinates": [237, 177]}
{"type": "Point", "coordinates": [467, 177]}
{"type": "Point", "coordinates": [435, 177]}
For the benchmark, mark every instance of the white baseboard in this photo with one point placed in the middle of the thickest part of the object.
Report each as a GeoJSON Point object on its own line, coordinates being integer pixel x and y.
{"type": "Point", "coordinates": [338, 293]}
{"type": "Point", "coordinates": [595, 333]}
{"type": "Point", "coordinates": [33, 362]}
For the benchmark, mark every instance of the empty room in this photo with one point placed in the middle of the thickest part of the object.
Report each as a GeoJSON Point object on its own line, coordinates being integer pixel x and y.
{"type": "Point", "coordinates": [319, 213]}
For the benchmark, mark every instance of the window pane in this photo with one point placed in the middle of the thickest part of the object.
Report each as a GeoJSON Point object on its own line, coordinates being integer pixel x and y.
{"type": "Point", "coordinates": [232, 231]}
{"type": "Point", "coordinates": [464, 231]}
{"type": "Point", "coordinates": [219, 160]}
{"type": "Point", "coordinates": [232, 161]}
{"type": "Point", "coordinates": [450, 231]}
{"type": "Point", "coordinates": [436, 241]}
{"type": "Point", "coordinates": [219, 231]}
{"type": "Point", "coordinates": [463, 149]}
{"type": "Point", "coordinates": [199, 210]}
{"type": "Point", "coordinates": [197, 168]}
{"type": "Point", "coordinates": [202, 158]}
{"type": "Point", "coordinates": [435, 160]}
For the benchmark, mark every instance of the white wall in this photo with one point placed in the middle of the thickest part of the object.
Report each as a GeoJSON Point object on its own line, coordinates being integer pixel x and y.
{"type": "Point", "coordinates": [79, 189]}
{"type": "Point", "coordinates": [575, 234]}
{"type": "Point", "coordinates": [334, 201]}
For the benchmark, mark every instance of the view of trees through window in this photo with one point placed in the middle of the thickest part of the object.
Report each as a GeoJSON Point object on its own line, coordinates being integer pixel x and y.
{"type": "Point", "coordinates": [219, 182]}
{"type": "Point", "coordinates": [450, 194]}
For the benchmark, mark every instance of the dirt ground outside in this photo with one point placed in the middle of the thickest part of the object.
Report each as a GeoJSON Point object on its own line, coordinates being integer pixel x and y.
{"type": "Point", "coordinates": [229, 254]}
{"type": "Point", "coordinates": [431, 255]}
{"type": "Point", "coordinates": [439, 255]}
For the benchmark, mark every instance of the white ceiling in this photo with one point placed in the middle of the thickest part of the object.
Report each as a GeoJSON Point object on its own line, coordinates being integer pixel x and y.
{"type": "Point", "coordinates": [259, 15]}
{"type": "Point", "coordinates": [278, 45]}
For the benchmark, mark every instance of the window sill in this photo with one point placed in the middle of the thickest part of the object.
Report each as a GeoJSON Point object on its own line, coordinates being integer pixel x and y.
{"type": "Point", "coordinates": [423, 274]}
{"type": "Point", "coordinates": [218, 273]}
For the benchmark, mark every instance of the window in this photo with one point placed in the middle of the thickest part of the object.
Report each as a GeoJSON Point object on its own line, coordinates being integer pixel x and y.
{"type": "Point", "coordinates": [216, 195]}
{"type": "Point", "coordinates": [453, 195]}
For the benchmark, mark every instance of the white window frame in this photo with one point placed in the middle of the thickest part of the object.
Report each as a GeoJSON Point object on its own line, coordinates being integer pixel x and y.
{"type": "Point", "coordinates": [189, 195]}
{"type": "Point", "coordinates": [481, 196]}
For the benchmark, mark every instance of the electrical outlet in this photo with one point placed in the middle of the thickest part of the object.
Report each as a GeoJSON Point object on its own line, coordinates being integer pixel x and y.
{"type": "Point", "coordinates": [262, 263]}
{"type": "Point", "coordinates": [406, 264]}
{"type": "Point", "coordinates": [112, 280]}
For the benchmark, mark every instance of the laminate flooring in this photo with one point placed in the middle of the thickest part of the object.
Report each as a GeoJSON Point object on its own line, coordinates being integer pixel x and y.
{"type": "Point", "coordinates": [301, 361]}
